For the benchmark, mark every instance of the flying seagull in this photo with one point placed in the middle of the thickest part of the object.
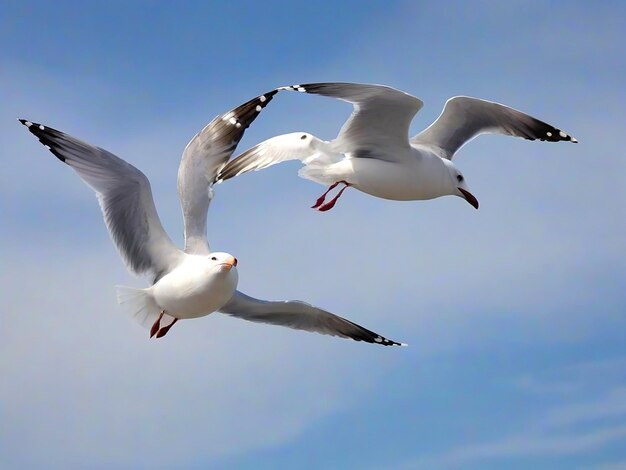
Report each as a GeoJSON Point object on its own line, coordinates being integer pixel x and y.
{"type": "Point", "coordinates": [373, 153]}
{"type": "Point", "coordinates": [196, 281]}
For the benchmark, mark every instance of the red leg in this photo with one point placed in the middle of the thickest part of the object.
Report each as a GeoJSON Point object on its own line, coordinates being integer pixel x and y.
{"type": "Point", "coordinates": [330, 204]}
{"type": "Point", "coordinates": [320, 200]}
{"type": "Point", "coordinates": [163, 331]}
{"type": "Point", "coordinates": [157, 324]}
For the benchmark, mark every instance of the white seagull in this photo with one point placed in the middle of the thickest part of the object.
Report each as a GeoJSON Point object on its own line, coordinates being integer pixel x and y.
{"type": "Point", "coordinates": [194, 282]}
{"type": "Point", "coordinates": [373, 152]}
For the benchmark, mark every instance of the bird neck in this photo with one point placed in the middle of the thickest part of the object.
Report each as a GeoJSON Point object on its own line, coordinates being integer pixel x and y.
{"type": "Point", "coordinates": [433, 174]}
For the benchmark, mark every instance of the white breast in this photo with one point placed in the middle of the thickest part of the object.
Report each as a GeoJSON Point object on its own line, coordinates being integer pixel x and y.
{"type": "Point", "coordinates": [415, 177]}
{"type": "Point", "coordinates": [195, 288]}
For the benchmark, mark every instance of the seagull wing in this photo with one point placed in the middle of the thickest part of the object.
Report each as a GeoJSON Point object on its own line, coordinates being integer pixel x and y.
{"type": "Point", "coordinates": [202, 158]}
{"type": "Point", "coordinates": [380, 119]}
{"type": "Point", "coordinates": [300, 316]}
{"type": "Point", "coordinates": [125, 199]}
{"type": "Point", "coordinates": [294, 146]}
{"type": "Point", "coordinates": [463, 118]}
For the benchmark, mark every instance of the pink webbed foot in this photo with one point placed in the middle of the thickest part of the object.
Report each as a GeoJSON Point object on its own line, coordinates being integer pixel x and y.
{"type": "Point", "coordinates": [163, 331]}
{"type": "Point", "coordinates": [330, 204]}
{"type": "Point", "coordinates": [320, 200]}
{"type": "Point", "coordinates": [157, 324]}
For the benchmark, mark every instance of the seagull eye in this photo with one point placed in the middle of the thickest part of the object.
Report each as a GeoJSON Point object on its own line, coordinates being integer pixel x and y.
{"type": "Point", "coordinates": [459, 178]}
{"type": "Point", "coordinates": [213, 258]}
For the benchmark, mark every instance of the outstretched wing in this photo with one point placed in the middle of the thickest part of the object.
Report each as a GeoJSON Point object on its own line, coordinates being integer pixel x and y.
{"type": "Point", "coordinates": [294, 146]}
{"type": "Point", "coordinates": [300, 316]}
{"type": "Point", "coordinates": [203, 157]}
{"type": "Point", "coordinates": [125, 198]}
{"type": "Point", "coordinates": [463, 118]}
{"type": "Point", "coordinates": [380, 119]}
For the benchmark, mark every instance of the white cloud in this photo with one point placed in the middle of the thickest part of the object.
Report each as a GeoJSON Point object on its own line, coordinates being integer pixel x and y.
{"type": "Point", "coordinates": [611, 405]}
{"type": "Point", "coordinates": [572, 428]}
{"type": "Point", "coordinates": [530, 384]}
{"type": "Point", "coordinates": [531, 446]}
{"type": "Point", "coordinates": [76, 373]}
{"type": "Point", "coordinates": [616, 465]}
{"type": "Point", "coordinates": [589, 376]}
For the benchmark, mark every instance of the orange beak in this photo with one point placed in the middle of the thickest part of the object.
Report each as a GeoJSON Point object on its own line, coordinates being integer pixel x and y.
{"type": "Point", "coordinates": [231, 261]}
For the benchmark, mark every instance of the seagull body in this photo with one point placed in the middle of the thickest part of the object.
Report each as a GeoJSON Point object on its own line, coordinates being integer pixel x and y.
{"type": "Point", "coordinates": [193, 282]}
{"type": "Point", "coordinates": [373, 153]}
{"type": "Point", "coordinates": [422, 176]}
{"type": "Point", "coordinates": [197, 286]}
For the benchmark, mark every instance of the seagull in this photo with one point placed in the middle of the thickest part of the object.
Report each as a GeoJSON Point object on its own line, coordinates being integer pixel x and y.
{"type": "Point", "coordinates": [193, 282]}
{"type": "Point", "coordinates": [373, 153]}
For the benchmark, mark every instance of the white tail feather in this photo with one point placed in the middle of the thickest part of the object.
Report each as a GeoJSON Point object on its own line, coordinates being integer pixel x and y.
{"type": "Point", "coordinates": [139, 303]}
{"type": "Point", "coordinates": [317, 173]}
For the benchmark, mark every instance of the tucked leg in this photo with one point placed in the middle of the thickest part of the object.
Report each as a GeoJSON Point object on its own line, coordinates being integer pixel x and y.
{"type": "Point", "coordinates": [330, 204]}
{"type": "Point", "coordinates": [157, 324]}
{"type": "Point", "coordinates": [163, 331]}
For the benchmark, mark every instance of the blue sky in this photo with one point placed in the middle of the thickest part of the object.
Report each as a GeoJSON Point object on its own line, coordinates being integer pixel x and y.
{"type": "Point", "coordinates": [515, 314]}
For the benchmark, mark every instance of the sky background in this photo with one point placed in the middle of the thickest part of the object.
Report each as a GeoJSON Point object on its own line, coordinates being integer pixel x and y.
{"type": "Point", "coordinates": [515, 314]}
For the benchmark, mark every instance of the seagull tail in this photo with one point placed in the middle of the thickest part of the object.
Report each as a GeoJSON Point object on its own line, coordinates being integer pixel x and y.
{"type": "Point", "coordinates": [320, 173]}
{"type": "Point", "coordinates": [139, 303]}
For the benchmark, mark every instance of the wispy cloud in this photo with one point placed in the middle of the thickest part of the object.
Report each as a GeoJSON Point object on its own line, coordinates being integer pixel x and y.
{"type": "Point", "coordinates": [530, 384]}
{"type": "Point", "coordinates": [616, 465]}
{"type": "Point", "coordinates": [582, 426]}
{"type": "Point", "coordinates": [588, 376]}
{"type": "Point", "coordinates": [610, 405]}
{"type": "Point", "coordinates": [525, 445]}
{"type": "Point", "coordinates": [70, 356]}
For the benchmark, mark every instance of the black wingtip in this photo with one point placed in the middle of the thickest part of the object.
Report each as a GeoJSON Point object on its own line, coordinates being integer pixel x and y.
{"type": "Point", "coordinates": [44, 135]}
{"type": "Point", "coordinates": [548, 133]}
{"type": "Point", "coordinates": [387, 342]}
{"type": "Point", "coordinates": [359, 333]}
{"type": "Point", "coordinates": [32, 126]}
{"type": "Point", "coordinates": [232, 124]}
{"type": "Point", "coordinates": [299, 88]}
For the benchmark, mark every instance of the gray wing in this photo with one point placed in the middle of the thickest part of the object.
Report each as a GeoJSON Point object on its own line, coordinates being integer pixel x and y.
{"type": "Point", "coordinates": [203, 157]}
{"type": "Point", "coordinates": [297, 145]}
{"type": "Point", "coordinates": [125, 199]}
{"type": "Point", "coordinates": [380, 119]}
{"type": "Point", "coordinates": [463, 118]}
{"type": "Point", "coordinates": [300, 316]}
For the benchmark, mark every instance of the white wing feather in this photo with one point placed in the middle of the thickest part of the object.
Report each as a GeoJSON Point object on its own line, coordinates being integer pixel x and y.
{"type": "Point", "coordinates": [380, 119]}
{"type": "Point", "coordinates": [294, 146]}
{"type": "Point", "coordinates": [125, 199]}
{"type": "Point", "coordinates": [203, 157]}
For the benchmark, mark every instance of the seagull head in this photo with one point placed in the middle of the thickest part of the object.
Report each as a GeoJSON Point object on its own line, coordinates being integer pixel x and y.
{"type": "Point", "coordinates": [223, 262]}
